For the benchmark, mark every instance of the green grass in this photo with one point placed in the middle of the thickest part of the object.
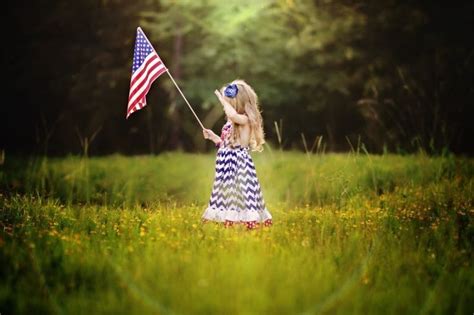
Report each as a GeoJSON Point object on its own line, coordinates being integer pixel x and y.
{"type": "Point", "coordinates": [352, 234]}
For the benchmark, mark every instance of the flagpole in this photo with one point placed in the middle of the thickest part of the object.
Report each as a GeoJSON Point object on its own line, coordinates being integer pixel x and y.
{"type": "Point", "coordinates": [172, 79]}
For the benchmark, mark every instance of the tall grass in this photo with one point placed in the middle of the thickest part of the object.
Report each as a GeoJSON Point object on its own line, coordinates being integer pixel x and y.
{"type": "Point", "coordinates": [286, 177]}
{"type": "Point", "coordinates": [352, 234]}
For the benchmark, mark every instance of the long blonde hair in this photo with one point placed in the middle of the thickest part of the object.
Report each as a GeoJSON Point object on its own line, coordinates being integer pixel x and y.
{"type": "Point", "coordinates": [246, 102]}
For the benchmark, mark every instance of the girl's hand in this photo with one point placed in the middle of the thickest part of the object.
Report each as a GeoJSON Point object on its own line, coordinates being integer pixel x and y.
{"type": "Point", "coordinates": [219, 96]}
{"type": "Point", "coordinates": [205, 133]}
{"type": "Point", "coordinates": [228, 109]}
{"type": "Point", "coordinates": [230, 112]}
{"type": "Point", "coordinates": [209, 134]}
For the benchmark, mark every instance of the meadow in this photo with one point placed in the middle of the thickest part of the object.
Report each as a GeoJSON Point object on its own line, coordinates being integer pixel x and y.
{"type": "Point", "coordinates": [352, 233]}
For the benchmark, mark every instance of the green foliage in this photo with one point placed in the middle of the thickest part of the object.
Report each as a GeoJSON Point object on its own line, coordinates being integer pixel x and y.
{"type": "Point", "coordinates": [257, 41]}
{"type": "Point", "coordinates": [396, 74]}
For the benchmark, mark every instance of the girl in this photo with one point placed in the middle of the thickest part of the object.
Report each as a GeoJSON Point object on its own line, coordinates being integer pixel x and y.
{"type": "Point", "coordinates": [236, 196]}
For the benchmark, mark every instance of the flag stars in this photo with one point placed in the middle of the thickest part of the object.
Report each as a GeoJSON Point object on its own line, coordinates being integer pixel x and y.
{"type": "Point", "coordinates": [142, 50]}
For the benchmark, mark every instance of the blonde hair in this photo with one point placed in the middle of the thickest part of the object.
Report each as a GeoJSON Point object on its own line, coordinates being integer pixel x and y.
{"type": "Point", "coordinates": [246, 102]}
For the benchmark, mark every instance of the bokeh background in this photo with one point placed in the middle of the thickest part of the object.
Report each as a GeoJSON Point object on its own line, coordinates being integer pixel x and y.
{"type": "Point", "coordinates": [394, 75]}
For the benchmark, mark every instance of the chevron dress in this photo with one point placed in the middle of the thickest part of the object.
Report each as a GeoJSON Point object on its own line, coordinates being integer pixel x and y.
{"type": "Point", "coordinates": [236, 195]}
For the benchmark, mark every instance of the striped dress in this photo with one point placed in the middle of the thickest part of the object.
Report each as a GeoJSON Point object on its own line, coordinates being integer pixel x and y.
{"type": "Point", "coordinates": [236, 195]}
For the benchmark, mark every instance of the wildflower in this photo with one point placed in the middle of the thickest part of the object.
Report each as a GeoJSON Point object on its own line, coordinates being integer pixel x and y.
{"type": "Point", "coordinates": [305, 242]}
{"type": "Point", "coordinates": [365, 280]}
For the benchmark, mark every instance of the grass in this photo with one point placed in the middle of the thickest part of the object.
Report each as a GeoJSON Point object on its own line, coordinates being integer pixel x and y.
{"type": "Point", "coordinates": [352, 234]}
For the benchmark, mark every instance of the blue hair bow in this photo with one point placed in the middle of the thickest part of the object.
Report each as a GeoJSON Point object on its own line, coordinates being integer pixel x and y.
{"type": "Point", "coordinates": [231, 90]}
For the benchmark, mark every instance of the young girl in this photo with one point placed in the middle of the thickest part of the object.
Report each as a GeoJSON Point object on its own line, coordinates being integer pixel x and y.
{"type": "Point", "coordinates": [236, 196]}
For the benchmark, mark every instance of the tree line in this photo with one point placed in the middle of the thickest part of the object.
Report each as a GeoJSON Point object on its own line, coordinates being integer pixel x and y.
{"type": "Point", "coordinates": [394, 75]}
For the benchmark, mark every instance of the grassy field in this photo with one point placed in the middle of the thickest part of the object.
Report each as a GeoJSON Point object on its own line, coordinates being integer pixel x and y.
{"type": "Point", "coordinates": [352, 234]}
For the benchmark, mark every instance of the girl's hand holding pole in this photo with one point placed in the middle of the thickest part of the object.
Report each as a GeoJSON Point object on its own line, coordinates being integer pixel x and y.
{"type": "Point", "coordinates": [209, 134]}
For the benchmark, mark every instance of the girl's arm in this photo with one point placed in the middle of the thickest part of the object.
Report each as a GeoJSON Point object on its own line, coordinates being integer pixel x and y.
{"type": "Point", "coordinates": [230, 111]}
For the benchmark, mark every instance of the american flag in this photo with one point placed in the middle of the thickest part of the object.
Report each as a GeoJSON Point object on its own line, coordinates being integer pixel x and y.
{"type": "Point", "coordinates": [147, 67]}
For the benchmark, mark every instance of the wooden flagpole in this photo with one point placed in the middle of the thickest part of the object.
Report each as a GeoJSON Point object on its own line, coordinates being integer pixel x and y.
{"type": "Point", "coordinates": [172, 79]}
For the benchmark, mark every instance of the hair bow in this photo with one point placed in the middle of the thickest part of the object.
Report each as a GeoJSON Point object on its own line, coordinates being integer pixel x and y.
{"type": "Point", "coordinates": [231, 90]}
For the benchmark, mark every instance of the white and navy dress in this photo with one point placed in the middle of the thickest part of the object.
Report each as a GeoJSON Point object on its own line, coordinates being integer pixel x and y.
{"type": "Point", "coordinates": [236, 195]}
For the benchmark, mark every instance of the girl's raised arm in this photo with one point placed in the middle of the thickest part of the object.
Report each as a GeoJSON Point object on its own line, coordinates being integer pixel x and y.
{"type": "Point", "coordinates": [230, 111]}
